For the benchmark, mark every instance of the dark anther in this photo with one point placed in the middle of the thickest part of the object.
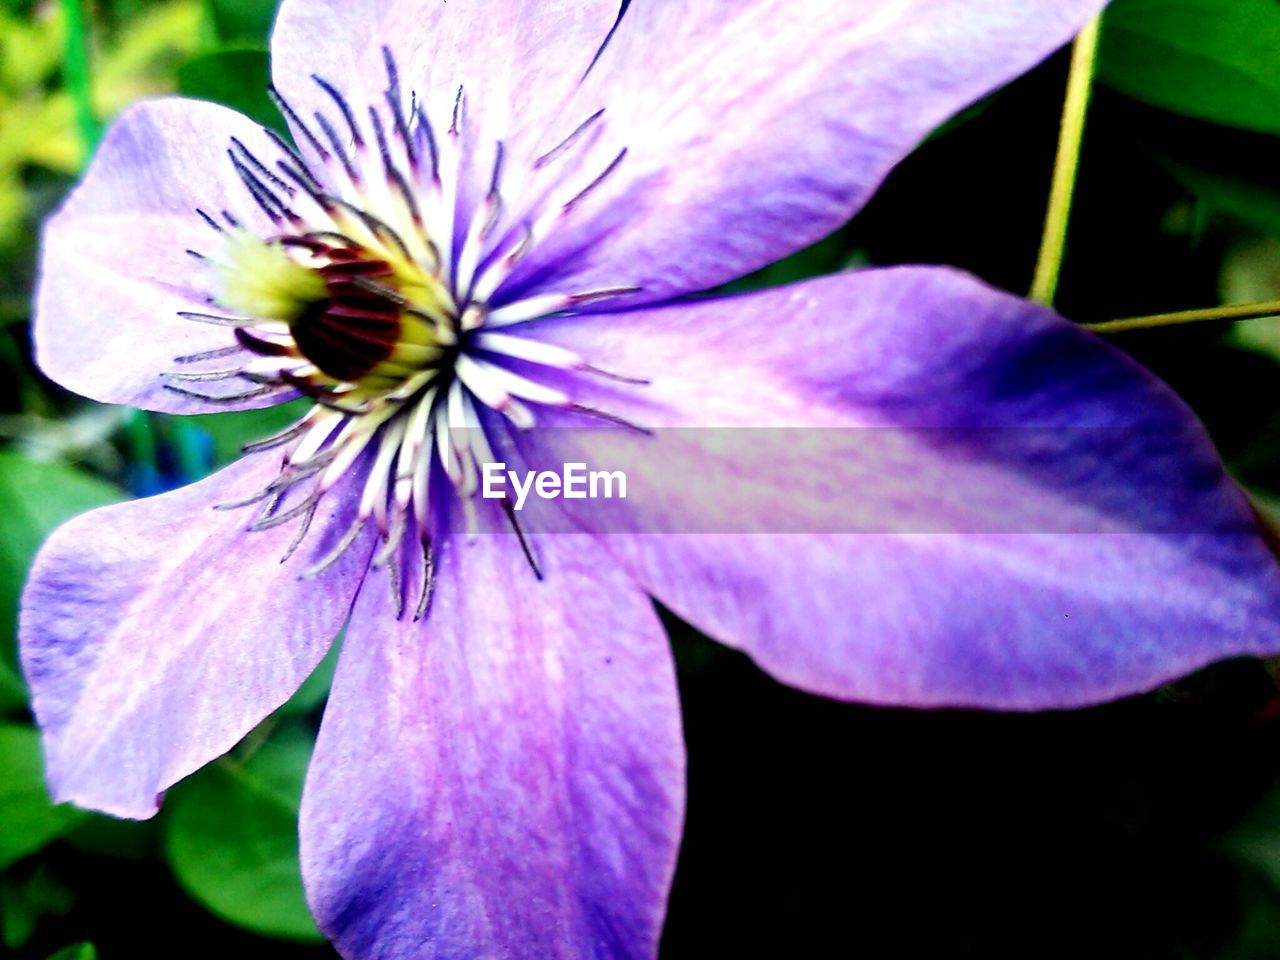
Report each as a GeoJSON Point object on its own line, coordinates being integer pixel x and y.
{"type": "Point", "coordinates": [428, 580]}
{"type": "Point", "coordinates": [568, 141]}
{"type": "Point", "coordinates": [210, 221]}
{"type": "Point", "coordinates": [276, 439]}
{"type": "Point", "coordinates": [200, 376]}
{"type": "Point", "coordinates": [496, 180]}
{"type": "Point", "coordinates": [379, 134]}
{"type": "Point", "coordinates": [609, 418]}
{"type": "Point", "coordinates": [618, 377]}
{"type": "Point", "coordinates": [303, 178]}
{"type": "Point", "coordinates": [295, 122]}
{"type": "Point", "coordinates": [424, 127]}
{"type": "Point", "coordinates": [459, 108]}
{"type": "Point", "coordinates": [268, 202]}
{"type": "Point", "coordinates": [394, 177]}
{"type": "Point", "coordinates": [509, 509]}
{"type": "Point", "coordinates": [214, 318]}
{"type": "Point", "coordinates": [356, 137]}
{"type": "Point", "coordinates": [591, 187]}
{"type": "Point", "coordinates": [334, 141]}
{"type": "Point", "coordinates": [261, 170]}
{"type": "Point", "coordinates": [217, 354]}
{"type": "Point", "coordinates": [335, 554]}
{"type": "Point", "coordinates": [279, 519]}
{"type": "Point", "coordinates": [284, 146]}
{"type": "Point", "coordinates": [302, 531]}
{"type": "Point", "coordinates": [595, 296]}
{"type": "Point", "coordinates": [396, 104]}
{"type": "Point", "coordinates": [228, 398]}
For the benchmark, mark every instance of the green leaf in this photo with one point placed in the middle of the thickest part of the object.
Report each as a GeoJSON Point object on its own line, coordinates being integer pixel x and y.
{"type": "Point", "coordinates": [234, 78]}
{"type": "Point", "coordinates": [31, 819]}
{"type": "Point", "coordinates": [78, 951]}
{"type": "Point", "coordinates": [1252, 203]}
{"type": "Point", "coordinates": [122, 839]}
{"type": "Point", "coordinates": [1207, 59]}
{"type": "Point", "coordinates": [34, 499]}
{"type": "Point", "coordinates": [244, 23]}
{"type": "Point", "coordinates": [231, 837]}
{"type": "Point", "coordinates": [25, 902]}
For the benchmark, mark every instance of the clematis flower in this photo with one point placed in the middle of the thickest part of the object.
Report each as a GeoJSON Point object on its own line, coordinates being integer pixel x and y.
{"type": "Point", "coordinates": [481, 239]}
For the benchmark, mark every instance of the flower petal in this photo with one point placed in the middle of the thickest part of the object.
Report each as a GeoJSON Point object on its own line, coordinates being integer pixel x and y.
{"type": "Point", "coordinates": [515, 62]}
{"type": "Point", "coordinates": [505, 779]}
{"type": "Point", "coordinates": [753, 129]}
{"type": "Point", "coordinates": [1045, 523]}
{"type": "Point", "coordinates": [156, 633]}
{"type": "Point", "coordinates": [115, 268]}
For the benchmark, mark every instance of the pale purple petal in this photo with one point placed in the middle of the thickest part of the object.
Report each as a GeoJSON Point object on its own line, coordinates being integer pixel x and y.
{"type": "Point", "coordinates": [755, 127]}
{"type": "Point", "coordinates": [156, 633]}
{"type": "Point", "coordinates": [1084, 546]}
{"type": "Point", "coordinates": [114, 268]}
{"type": "Point", "coordinates": [514, 61]}
{"type": "Point", "coordinates": [506, 779]}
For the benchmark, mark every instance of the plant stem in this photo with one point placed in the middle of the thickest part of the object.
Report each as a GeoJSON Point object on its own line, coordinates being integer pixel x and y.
{"type": "Point", "coordinates": [1250, 311]}
{"type": "Point", "coordinates": [75, 57]}
{"type": "Point", "coordinates": [1084, 58]}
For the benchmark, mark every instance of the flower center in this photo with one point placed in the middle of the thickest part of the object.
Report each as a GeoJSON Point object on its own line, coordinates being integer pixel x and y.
{"type": "Point", "coordinates": [360, 297]}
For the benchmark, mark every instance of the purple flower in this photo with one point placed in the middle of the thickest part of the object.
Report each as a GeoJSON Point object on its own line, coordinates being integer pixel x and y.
{"type": "Point", "coordinates": [473, 244]}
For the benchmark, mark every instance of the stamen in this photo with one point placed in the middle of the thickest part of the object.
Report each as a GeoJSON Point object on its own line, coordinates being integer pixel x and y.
{"type": "Point", "coordinates": [424, 128]}
{"type": "Point", "coordinates": [594, 184]}
{"type": "Point", "coordinates": [215, 354]}
{"type": "Point", "coordinates": [341, 101]}
{"type": "Point", "coordinates": [609, 418]}
{"type": "Point", "coordinates": [267, 201]}
{"type": "Point", "coordinates": [339, 150]}
{"type": "Point", "coordinates": [210, 221]}
{"type": "Point", "coordinates": [216, 320]}
{"type": "Point", "coordinates": [280, 519]}
{"type": "Point", "coordinates": [396, 103]}
{"type": "Point", "coordinates": [428, 581]}
{"type": "Point", "coordinates": [459, 105]}
{"type": "Point", "coordinates": [229, 398]}
{"type": "Point", "coordinates": [277, 439]}
{"type": "Point", "coordinates": [336, 553]}
{"type": "Point", "coordinates": [509, 509]}
{"type": "Point", "coordinates": [568, 141]}
{"type": "Point", "coordinates": [202, 376]}
{"type": "Point", "coordinates": [618, 377]}
{"type": "Point", "coordinates": [295, 122]}
{"type": "Point", "coordinates": [258, 166]}
{"type": "Point", "coordinates": [301, 535]}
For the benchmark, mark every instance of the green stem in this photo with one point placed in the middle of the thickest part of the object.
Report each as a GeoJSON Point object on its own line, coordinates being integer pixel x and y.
{"type": "Point", "coordinates": [79, 82]}
{"type": "Point", "coordinates": [1084, 58]}
{"type": "Point", "coordinates": [1251, 311]}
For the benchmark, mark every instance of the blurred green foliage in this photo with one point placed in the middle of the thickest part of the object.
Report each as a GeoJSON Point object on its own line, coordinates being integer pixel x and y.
{"type": "Point", "coordinates": [1152, 826]}
{"type": "Point", "coordinates": [1208, 59]}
